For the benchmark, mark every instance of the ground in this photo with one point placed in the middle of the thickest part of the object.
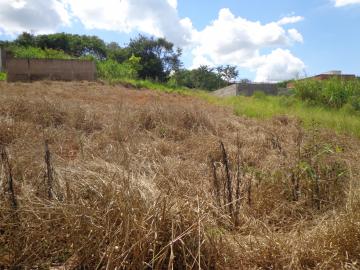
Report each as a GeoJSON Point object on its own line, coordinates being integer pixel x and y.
{"type": "Point", "coordinates": [143, 179]}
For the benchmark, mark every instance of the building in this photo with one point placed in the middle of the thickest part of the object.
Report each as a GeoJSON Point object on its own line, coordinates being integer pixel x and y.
{"type": "Point", "coordinates": [326, 76]}
{"type": "Point", "coordinates": [247, 89]}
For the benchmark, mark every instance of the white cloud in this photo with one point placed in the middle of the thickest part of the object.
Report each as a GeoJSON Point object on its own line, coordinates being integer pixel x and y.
{"type": "Point", "coordinates": [291, 19]}
{"type": "Point", "coordinates": [172, 3]}
{"type": "Point", "coordinates": [39, 16]}
{"type": "Point", "coordinates": [237, 41]}
{"type": "Point", "coordinates": [342, 3]}
{"type": "Point", "coordinates": [295, 35]}
{"type": "Point", "coordinates": [154, 17]}
{"type": "Point", "coordinates": [227, 40]}
{"type": "Point", "coordinates": [279, 65]}
{"type": "Point", "coordinates": [19, 4]}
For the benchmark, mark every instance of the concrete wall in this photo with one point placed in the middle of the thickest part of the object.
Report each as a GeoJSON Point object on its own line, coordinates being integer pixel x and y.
{"type": "Point", "coordinates": [28, 70]}
{"type": "Point", "coordinates": [248, 89]}
{"type": "Point", "coordinates": [227, 91]}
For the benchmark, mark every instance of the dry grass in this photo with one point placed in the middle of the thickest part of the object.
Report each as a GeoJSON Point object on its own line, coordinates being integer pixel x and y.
{"type": "Point", "coordinates": [138, 180]}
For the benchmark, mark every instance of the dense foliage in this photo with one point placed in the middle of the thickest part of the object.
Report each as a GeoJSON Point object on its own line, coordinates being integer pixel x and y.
{"type": "Point", "coordinates": [203, 77]}
{"type": "Point", "coordinates": [110, 69]}
{"type": "Point", "coordinates": [334, 93]}
{"type": "Point", "coordinates": [74, 45]}
{"type": "Point", "coordinates": [34, 52]}
{"type": "Point", "coordinates": [144, 58]}
{"type": "Point", "coordinates": [158, 57]}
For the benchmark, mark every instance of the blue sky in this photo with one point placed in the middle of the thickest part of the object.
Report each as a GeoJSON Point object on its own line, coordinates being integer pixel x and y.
{"type": "Point", "coordinates": [267, 40]}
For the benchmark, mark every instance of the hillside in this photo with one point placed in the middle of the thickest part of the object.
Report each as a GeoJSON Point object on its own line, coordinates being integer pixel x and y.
{"type": "Point", "coordinates": [95, 176]}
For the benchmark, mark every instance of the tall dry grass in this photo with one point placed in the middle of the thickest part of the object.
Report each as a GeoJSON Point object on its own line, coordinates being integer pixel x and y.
{"type": "Point", "coordinates": [100, 177]}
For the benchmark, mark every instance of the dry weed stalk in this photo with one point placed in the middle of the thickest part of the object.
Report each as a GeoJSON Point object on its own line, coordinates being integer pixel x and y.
{"type": "Point", "coordinates": [228, 183]}
{"type": "Point", "coordinates": [8, 174]}
{"type": "Point", "coordinates": [231, 194]}
{"type": "Point", "coordinates": [49, 171]}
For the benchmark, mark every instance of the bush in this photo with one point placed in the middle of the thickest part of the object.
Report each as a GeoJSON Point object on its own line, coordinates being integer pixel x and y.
{"type": "Point", "coordinates": [32, 52]}
{"type": "Point", "coordinates": [111, 70]}
{"type": "Point", "coordinates": [334, 93]}
{"type": "Point", "coordinates": [355, 103]}
{"type": "Point", "coordinates": [2, 76]}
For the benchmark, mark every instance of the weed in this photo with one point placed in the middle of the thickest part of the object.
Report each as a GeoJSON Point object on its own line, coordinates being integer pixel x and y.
{"type": "Point", "coordinates": [3, 76]}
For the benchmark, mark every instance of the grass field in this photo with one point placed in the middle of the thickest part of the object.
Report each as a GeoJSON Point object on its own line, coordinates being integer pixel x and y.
{"type": "Point", "coordinates": [344, 121]}
{"type": "Point", "coordinates": [98, 176]}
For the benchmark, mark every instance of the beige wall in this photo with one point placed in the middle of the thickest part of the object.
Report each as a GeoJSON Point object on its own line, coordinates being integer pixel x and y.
{"type": "Point", "coordinates": [49, 69]}
{"type": "Point", "coordinates": [228, 91]}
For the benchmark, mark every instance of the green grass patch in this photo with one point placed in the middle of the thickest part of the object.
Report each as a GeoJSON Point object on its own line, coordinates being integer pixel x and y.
{"type": "Point", "coordinates": [345, 120]}
{"type": "Point", "coordinates": [2, 76]}
{"type": "Point", "coordinates": [146, 84]}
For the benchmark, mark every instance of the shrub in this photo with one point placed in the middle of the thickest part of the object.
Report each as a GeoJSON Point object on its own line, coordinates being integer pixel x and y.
{"type": "Point", "coordinates": [32, 52]}
{"type": "Point", "coordinates": [2, 76]}
{"type": "Point", "coordinates": [307, 89]}
{"type": "Point", "coordinates": [111, 70]}
{"type": "Point", "coordinates": [355, 103]}
{"type": "Point", "coordinates": [334, 93]}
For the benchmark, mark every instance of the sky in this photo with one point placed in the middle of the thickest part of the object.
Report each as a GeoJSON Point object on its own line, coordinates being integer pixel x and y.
{"type": "Point", "coordinates": [268, 41]}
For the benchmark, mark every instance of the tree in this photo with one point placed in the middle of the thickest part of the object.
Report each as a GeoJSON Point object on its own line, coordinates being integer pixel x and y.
{"type": "Point", "coordinates": [74, 45]}
{"type": "Point", "coordinates": [117, 53]}
{"type": "Point", "coordinates": [182, 77]}
{"type": "Point", "coordinates": [205, 77]}
{"type": "Point", "coordinates": [228, 73]}
{"type": "Point", "coordinates": [158, 57]}
{"type": "Point", "coordinates": [25, 40]}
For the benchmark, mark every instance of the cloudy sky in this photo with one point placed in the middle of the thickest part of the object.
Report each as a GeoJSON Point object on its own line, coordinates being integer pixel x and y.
{"type": "Point", "coordinates": [268, 40]}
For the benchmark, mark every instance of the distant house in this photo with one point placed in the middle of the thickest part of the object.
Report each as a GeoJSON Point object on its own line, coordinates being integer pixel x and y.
{"type": "Point", "coordinates": [247, 89]}
{"type": "Point", "coordinates": [326, 76]}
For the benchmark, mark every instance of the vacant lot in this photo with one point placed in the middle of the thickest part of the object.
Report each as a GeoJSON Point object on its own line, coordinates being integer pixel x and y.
{"type": "Point", "coordinates": [99, 176]}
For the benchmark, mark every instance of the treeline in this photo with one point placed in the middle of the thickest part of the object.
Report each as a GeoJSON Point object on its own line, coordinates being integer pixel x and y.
{"type": "Point", "coordinates": [145, 58]}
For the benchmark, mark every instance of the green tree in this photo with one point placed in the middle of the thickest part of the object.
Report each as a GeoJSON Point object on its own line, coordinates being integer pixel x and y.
{"type": "Point", "coordinates": [205, 77]}
{"type": "Point", "coordinates": [228, 73]}
{"type": "Point", "coordinates": [183, 77]}
{"type": "Point", "coordinates": [74, 45]}
{"type": "Point", "coordinates": [158, 57]}
{"type": "Point", "coordinates": [117, 53]}
{"type": "Point", "coordinates": [25, 40]}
